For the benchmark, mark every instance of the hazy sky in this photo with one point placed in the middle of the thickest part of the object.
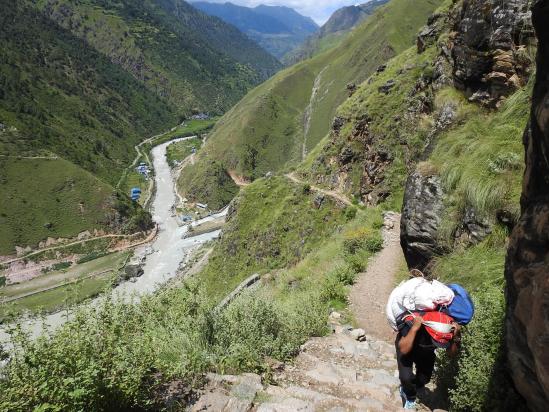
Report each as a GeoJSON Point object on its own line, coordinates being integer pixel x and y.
{"type": "Point", "coordinates": [319, 10]}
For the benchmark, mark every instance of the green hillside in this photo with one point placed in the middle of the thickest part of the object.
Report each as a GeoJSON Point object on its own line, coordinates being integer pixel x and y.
{"type": "Point", "coordinates": [263, 234]}
{"type": "Point", "coordinates": [59, 98]}
{"type": "Point", "coordinates": [193, 60]}
{"type": "Point", "coordinates": [44, 198]}
{"type": "Point", "coordinates": [279, 122]}
{"type": "Point", "coordinates": [68, 99]}
{"type": "Point", "coordinates": [86, 81]}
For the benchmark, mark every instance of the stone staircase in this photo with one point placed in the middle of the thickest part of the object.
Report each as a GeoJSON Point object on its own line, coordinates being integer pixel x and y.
{"type": "Point", "coordinates": [346, 371]}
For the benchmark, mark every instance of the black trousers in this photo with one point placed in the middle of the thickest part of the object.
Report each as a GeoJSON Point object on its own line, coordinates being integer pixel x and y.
{"type": "Point", "coordinates": [423, 359]}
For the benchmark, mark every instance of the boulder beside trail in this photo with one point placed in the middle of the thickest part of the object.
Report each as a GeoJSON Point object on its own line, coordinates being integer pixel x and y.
{"type": "Point", "coordinates": [420, 221]}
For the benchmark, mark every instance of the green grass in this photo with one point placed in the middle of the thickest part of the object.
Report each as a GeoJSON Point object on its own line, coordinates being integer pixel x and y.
{"type": "Point", "coordinates": [78, 290]}
{"type": "Point", "coordinates": [481, 161]}
{"type": "Point", "coordinates": [49, 198]}
{"type": "Point", "coordinates": [330, 267]}
{"type": "Point", "coordinates": [134, 179]}
{"type": "Point", "coordinates": [387, 129]}
{"type": "Point", "coordinates": [56, 299]}
{"type": "Point", "coordinates": [207, 183]}
{"type": "Point", "coordinates": [190, 127]}
{"type": "Point", "coordinates": [275, 225]}
{"type": "Point", "coordinates": [265, 131]}
{"type": "Point", "coordinates": [56, 277]}
{"type": "Point", "coordinates": [179, 151]}
{"type": "Point", "coordinates": [477, 267]}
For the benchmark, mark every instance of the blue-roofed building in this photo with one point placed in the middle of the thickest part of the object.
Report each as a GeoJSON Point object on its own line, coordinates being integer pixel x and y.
{"type": "Point", "coordinates": [135, 193]}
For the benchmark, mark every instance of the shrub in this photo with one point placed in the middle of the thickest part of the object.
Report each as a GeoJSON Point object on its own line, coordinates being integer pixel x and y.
{"type": "Point", "coordinates": [350, 213]}
{"type": "Point", "coordinates": [477, 380]}
{"type": "Point", "coordinates": [366, 239]}
{"type": "Point", "coordinates": [111, 357]}
{"type": "Point", "coordinates": [81, 367]}
{"type": "Point", "coordinates": [333, 291]}
{"type": "Point", "coordinates": [61, 265]}
{"type": "Point", "coordinates": [91, 256]}
{"type": "Point", "coordinates": [2, 281]}
{"type": "Point", "coordinates": [344, 274]}
{"type": "Point", "coordinates": [358, 261]}
{"type": "Point", "coordinates": [256, 327]}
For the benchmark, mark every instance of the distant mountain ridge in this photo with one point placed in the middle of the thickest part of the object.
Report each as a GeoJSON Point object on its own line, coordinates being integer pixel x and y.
{"type": "Point", "coordinates": [333, 31]}
{"type": "Point", "coordinates": [277, 29]}
{"type": "Point", "coordinates": [348, 17]}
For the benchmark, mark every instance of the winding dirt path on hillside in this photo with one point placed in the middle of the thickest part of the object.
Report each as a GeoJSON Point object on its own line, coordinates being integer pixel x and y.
{"type": "Point", "coordinates": [330, 193]}
{"type": "Point", "coordinates": [369, 294]}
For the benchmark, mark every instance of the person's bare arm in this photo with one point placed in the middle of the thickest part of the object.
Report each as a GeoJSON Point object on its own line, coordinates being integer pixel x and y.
{"type": "Point", "coordinates": [406, 343]}
{"type": "Point", "coordinates": [453, 350]}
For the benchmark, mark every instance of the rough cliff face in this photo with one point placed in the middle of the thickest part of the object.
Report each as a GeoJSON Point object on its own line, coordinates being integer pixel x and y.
{"type": "Point", "coordinates": [527, 266]}
{"type": "Point", "coordinates": [485, 57]}
{"type": "Point", "coordinates": [489, 48]}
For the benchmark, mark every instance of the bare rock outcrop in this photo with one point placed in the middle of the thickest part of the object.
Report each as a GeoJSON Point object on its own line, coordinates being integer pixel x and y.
{"type": "Point", "coordinates": [421, 217]}
{"type": "Point", "coordinates": [488, 50]}
{"type": "Point", "coordinates": [527, 265]}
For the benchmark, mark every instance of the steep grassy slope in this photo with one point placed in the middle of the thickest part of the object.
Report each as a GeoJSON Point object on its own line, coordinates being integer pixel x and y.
{"type": "Point", "coordinates": [372, 122]}
{"type": "Point", "coordinates": [283, 119]}
{"type": "Point", "coordinates": [383, 132]}
{"type": "Point", "coordinates": [60, 98]}
{"type": "Point", "coordinates": [264, 234]}
{"type": "Point", "coordinates": [44, 198]}
{"type": "Point", "coordinates": [411, 120]}
{"type": "Point", "coordinates": [193, 60]}
{"type": "Point", "coordinates": [66, 98]}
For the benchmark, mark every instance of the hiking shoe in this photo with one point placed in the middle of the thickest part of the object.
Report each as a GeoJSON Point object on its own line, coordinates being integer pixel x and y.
{"type": "Point", "coordinates": [407, 403]}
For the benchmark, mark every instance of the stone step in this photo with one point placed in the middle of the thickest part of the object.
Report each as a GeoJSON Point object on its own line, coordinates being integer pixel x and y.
{"type": "Point", "coordinates": [296, 396]}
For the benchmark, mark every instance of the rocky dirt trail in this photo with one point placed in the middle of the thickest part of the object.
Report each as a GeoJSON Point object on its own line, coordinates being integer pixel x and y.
{"type": "Point", "coordinates": [350, 370]}
{"type": "Point", "coordinates": [338, 196]}
{"type": "Point", "coordinates": [369, 294]}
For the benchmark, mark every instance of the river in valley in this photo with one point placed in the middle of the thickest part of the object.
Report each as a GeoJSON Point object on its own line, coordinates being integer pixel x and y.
{"type": "Point", "coordinates": [162, 257]}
